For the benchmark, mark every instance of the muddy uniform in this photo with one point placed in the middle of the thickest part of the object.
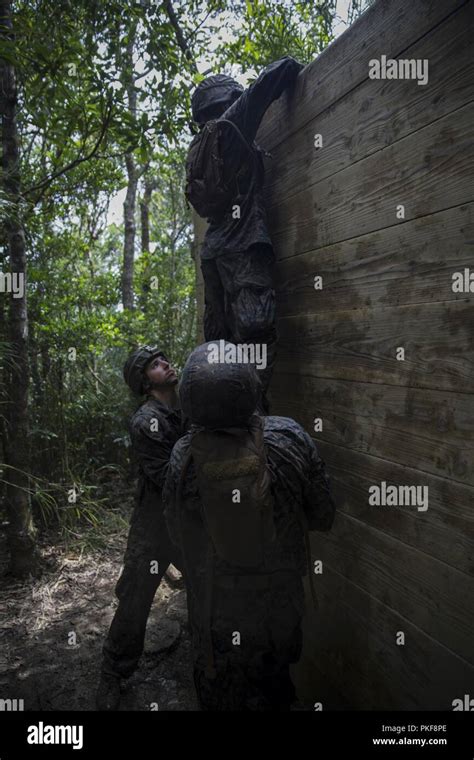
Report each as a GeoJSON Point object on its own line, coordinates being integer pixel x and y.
{"type": "Point", "coordinates": [237, 255]}
{"type": "Point", "coordinates": [154, 430]}
{"type": "Point", "coordinates": [266, 609]}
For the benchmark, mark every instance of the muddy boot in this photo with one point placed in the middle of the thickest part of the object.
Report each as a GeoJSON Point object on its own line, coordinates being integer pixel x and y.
{"type": "Point", "coordinates": [108, 693]}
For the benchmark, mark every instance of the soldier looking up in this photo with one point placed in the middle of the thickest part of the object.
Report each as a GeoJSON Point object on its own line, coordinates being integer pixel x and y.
{"type": "Point", "coordinates": [154, 428]}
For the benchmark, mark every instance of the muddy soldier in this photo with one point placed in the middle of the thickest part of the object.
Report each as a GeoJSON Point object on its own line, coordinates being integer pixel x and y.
{"type": "Point", "coordinates": [241, 493]}
{"type": "Point", "coordinates": [224, 184]}
{"type": "Point", "coordinates": [155, 427]}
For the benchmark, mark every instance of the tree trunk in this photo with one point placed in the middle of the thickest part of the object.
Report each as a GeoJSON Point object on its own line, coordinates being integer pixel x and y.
{"type": "Point", "coordinates": [132, 173]}
{"type": "Point", "coordinates": [129, 236]}
{"type": "Point", "coordinates": [21, 535]}
{"type": "Point", "coordinates": [145, 214]}
{"type": "Point", "coordinates": [149, 185]}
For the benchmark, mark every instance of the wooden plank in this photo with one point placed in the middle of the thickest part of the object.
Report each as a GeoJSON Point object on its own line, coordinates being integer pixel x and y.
{"type": "Point", "coordinates": [450, 503]}
{"type": "Point", "coordinates": [387, 28]}
{"type": "Point", "coordinates": [445, 531]}
{"type": "Point", "coordinates": [426, 172]}
{"type": "Point", "coordinates": [432, 595]}
{"type": "Point", "coordinates": [361, 345]}
{"type": "Point", "coordinates": [379, 112]}
{"type": "Point", "coordinates": [430, 531]}
{"type": "Point", "coordinates": [399, 424]}
{"type": "Point", "coordinates": [352, 642]}
{"type": "Point", "coordinates": [409, 264]}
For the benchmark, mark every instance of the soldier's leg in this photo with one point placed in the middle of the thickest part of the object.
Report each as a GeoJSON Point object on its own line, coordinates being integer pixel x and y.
{"type": "Point", "coordinates": [135, 591]}
{"type": "Point", "coordinates": [285, 608]}
{"type": "Point", "coordinates": [237, 607]}
{"type": "Point", "coordinates": [149, 552]}
{"type": "Point", "coordinates": [247, 278]}
{"type": "Point", "coordinates": [227, 690]}
{"type": "Point", "coordinates": [255, 675]}
{"type": "Point", "coordinates": [215, 321]}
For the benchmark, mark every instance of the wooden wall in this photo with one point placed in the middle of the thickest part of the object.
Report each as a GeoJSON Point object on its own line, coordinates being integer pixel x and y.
{"type": "Point", "coordinates": [387, 283]}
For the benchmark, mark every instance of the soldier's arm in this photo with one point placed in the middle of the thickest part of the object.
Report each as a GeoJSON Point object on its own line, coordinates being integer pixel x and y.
{"type": "Point", "coordinates": [318, 504]}
{"type": "Point", "coordinates": [248, 110]}
{"type": "Point", "coordinates": [151, 448]}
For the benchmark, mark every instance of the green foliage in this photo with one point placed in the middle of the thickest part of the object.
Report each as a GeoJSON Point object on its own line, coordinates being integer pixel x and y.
{"type": "Point", "coordinates": [85, 104]}
{"type": "Point", "coordinates": [273, 29]}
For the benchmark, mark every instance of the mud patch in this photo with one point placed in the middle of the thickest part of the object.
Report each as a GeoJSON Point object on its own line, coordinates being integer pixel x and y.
{"type": "Point", "coordinates": [41, 661]}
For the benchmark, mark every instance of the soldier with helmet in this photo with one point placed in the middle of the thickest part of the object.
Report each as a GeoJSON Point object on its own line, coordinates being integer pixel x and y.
{"type": "Point", "coordinates": [224, 183]}
{"type": "Point", "coordinates": [241, 493]}
{"type": "Point", "coordinates": [154, 429]}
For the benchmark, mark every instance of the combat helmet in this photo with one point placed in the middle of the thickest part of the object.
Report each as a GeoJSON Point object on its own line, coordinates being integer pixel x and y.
{"type": "Point", "coordinates": [218, 395]}
{"type": "Point", "coordinates": [133, 371]}
{"type": "Point", "coordinates": [213, 96]}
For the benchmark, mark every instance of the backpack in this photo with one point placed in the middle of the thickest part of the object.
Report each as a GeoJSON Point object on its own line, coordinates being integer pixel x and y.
{"type": "Point", "coordinates": [206, 188]}
{"type": "Point", "coordinates": [225, 460]}
{"type": "Point", "coordinates": [239, 522]}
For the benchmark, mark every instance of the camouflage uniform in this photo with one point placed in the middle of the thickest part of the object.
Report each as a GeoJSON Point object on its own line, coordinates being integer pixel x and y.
{"type": "Point", "coordinates": [237, 258]}
{"type": "Point", "coordinates": [266, 609]}
{"type": "Point", "coordinates": [148, 539]}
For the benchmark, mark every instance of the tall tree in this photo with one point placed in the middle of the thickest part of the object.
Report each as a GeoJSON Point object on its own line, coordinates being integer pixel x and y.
{"type": "Point", "coordinates": [23, 555]}
{"type": "Point", "coordinates": [149, 185]}
{"type": "Point", "coordinates": [129, 206]}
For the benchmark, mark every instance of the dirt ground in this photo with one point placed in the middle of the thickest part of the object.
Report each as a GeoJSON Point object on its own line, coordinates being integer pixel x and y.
{"type": "Point", "coordinates": [39, 660]}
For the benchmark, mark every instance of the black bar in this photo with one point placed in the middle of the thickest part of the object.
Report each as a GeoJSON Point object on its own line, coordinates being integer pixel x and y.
{"type": "Point", "coordinates": [312, 735]}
